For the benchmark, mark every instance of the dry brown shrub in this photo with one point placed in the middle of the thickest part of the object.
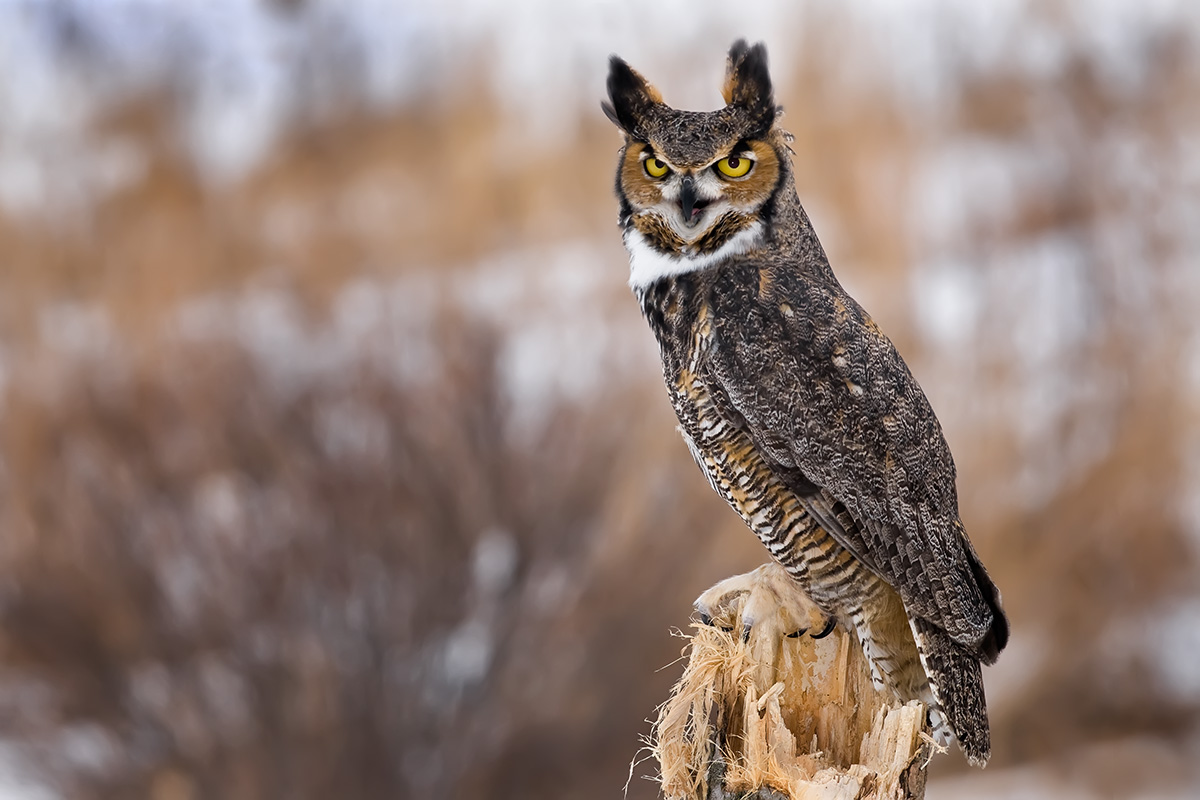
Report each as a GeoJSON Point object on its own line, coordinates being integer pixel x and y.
{"type": "Point", "coordinates": [212, 590]}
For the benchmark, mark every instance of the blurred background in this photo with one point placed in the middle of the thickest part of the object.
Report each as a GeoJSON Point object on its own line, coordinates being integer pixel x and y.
{"type": "Point", "coordinates": [334, 456]}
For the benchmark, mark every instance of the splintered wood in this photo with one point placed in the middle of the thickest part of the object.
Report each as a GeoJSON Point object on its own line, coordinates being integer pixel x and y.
{"type": "Point", "coordinates": [759, 713]}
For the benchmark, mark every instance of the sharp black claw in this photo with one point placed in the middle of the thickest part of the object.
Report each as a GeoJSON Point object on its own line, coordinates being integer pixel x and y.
{"type": "Point", "coordinates": [746, 633]}
{"type": "Point", "coordinates": [796, 634]}
{"type": "Point", "coordinates": [705, 619]}
{"type": "Point", "coordinates": [828, 629]}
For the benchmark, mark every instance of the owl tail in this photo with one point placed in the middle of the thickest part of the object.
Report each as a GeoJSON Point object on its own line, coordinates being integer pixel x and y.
{"type": "Point", "coordinates": [956, 682]}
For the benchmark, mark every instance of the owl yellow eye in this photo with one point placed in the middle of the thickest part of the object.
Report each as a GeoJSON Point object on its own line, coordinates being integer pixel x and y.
{"type": "Point", "coordinates": [734, 166]}
{"type": "Point", "coordinates": [656, 168]}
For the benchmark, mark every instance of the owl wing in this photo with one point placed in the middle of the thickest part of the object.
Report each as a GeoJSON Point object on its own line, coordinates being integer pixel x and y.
{"type": "Point", "coordinates": [828, 400]}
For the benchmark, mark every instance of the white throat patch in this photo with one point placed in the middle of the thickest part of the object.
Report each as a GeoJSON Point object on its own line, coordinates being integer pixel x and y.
{"type": "Point", "coordinates": [648, 265]}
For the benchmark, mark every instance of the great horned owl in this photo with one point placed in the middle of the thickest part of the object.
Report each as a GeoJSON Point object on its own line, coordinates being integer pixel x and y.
{"type": "Point", "coordinates": [793, 402]}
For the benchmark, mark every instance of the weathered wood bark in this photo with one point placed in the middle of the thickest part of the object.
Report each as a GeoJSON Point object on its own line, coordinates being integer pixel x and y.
{"type": "Point", "coordinates": [760, 714]}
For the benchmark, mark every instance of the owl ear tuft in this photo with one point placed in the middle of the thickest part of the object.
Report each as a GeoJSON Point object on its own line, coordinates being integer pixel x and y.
{"type": "Point", "coordinates": [630, 96]}
{"type": "Point", "coordinates": [748, 83]}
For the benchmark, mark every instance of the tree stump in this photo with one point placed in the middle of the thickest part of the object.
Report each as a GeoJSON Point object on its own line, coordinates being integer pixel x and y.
{"type": "Point", "coordinates": [761, 714]}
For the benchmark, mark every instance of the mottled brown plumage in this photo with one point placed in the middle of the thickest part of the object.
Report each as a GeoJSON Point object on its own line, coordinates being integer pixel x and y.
{"type": "Point", "coordinates": [796, 406]}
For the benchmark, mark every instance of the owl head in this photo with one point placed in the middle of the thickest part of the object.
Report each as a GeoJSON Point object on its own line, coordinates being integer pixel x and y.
{"type": "Point", "coordinates": [696, 187]}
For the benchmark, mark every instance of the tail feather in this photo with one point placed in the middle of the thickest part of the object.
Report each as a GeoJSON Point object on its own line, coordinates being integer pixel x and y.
{"type": "Point", "coordinates": [997, 636]}
{"type": "Point", "coordinates": [956, 682]}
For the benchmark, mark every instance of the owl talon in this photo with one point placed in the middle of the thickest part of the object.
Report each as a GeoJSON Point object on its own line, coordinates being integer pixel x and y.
{"type": "Point", "coordinates": [796, 634]}
{"type": "Point", "coordinates": [828, 629]}
{"type": "Point", "coordinates": [746, 632]}
{"type": "Point", "coordinates": [706, 619]}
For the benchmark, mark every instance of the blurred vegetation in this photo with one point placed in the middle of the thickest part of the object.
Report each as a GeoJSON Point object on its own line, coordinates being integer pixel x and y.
{"type": "Point", "coordinates": [352, 581]}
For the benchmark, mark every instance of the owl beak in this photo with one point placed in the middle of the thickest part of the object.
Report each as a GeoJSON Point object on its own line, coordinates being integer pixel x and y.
{"type": "Point", "coordinates": [687, 200]}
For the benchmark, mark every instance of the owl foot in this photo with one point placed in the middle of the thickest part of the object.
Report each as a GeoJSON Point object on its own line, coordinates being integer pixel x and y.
{"type": "Point", "coordinates": [765, 602]}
